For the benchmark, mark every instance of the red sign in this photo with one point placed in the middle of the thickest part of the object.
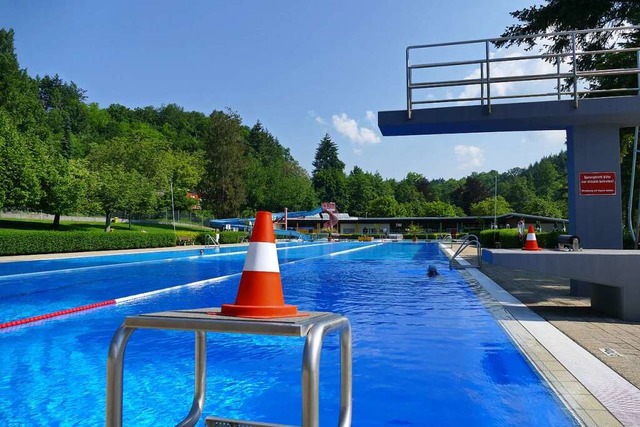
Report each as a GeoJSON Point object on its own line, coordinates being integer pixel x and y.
{"type": "Point", "coordinates": [597, 183]}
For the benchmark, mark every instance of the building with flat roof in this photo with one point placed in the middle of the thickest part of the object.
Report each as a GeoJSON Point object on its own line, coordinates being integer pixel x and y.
{"type": "Point", "coordinates": [398, 225]}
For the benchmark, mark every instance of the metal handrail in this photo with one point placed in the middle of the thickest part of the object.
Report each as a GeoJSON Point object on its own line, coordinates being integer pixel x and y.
{"type": "Point", "coordinates": [485, 61]}
{"type": "Point", "coordinates": [312, 325]}
{"type": "Point", "coordinates": [214, 241]}
{"type": "Point", "coordinates": [469, 240]}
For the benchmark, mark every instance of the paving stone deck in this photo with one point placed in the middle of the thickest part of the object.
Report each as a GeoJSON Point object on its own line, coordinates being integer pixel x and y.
{"type": "Point", "coordinates": [614, 342]}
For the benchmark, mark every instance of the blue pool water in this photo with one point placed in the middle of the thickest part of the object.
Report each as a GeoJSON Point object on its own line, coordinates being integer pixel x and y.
{"type": "Point", "coordinates": [426, 351]}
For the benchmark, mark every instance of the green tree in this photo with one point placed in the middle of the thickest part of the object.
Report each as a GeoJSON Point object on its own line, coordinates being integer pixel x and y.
{"type": "Point", "coordinates": [384, 207]}
{"type": "Point", "coordinates": [441, 209]}
{"type": "Point", "coordinates": [545, 178]}
{"type": "Point", "coordinates": [185, 170]}
{"type": "Point", "coordinates": [64, 185]}
{"type": "Point", "coordinates": [19, 92]}
{"type": "Point", "coordinates": [543, 207]}
{"type": "Point", "coordinates": [444, 190]}
{"type": "Point", "coordinates": [408, 190]}
{"type": "Point", "coordinates": [19, 180]}
{"type": "Point", "coordinates": [491, 206]}
{"type": "Point", "coordinates": [328, 177]}
{"type": "Point", "coordinates": [519, 193]}
{"type": "Point", "coordinates": [66, 113]}
{"type": "Point", "coordinates": [130, 172]}
{"type": "Point", "coordinates": [274, 179]}
{"type": "Point", "coordinates": [109, 189]}
{"type": "Point", "coordinates": [472, 191]}
{"type": "Point", "coordinates": [568, 15]}
{"type": "Point", "coordinates": [361, 188]}
{"type": "Point", "coordinates": [223, 188]}
{"type": "Point", "coordinates": [327, 155]}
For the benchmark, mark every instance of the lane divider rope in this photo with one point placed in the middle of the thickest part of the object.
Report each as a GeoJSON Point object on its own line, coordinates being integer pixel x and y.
{"type": "Point", "coordinates": [124, 300]}
{"type": "Point", "coordinates": [59, 313]}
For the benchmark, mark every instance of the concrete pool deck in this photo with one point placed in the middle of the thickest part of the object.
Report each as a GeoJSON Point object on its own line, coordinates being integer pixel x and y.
{"type": "Point", "coordinates": [590, 359]}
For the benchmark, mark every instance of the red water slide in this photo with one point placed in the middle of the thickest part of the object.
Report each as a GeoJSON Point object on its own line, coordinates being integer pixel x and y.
{"type": "Point", "coordinates": [330, 209]}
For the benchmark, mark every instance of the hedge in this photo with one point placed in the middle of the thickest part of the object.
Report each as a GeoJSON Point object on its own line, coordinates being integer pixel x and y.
{"type": "Point", "coordinates": [24, 242]}
{"type": "Point", "coordinates": [226, 237]}
{"type": "Point", "coordinates": [508, 238]}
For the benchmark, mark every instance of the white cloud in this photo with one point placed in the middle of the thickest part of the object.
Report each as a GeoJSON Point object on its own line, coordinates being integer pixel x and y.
{"type": "Point", "coordinates": [350, 128]}
{"type": "Point", "coordinates": [317, 118]}
{"type": "Point", "coordinates": [372, 118]}
{"type": "Point", "coordinates": [548, 141]}
{"type": "Point", "coordinates": [468, 156]}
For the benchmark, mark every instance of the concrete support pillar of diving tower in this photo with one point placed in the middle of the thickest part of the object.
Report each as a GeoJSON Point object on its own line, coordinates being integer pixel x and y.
{"type": "Point", "coordinates": [596, 219]}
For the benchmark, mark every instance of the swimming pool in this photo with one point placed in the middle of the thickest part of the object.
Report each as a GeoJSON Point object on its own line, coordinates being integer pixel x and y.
{"type": "Point", "coordinates": [426, 351]}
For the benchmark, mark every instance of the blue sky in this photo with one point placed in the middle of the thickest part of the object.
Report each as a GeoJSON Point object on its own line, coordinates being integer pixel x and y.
{"type": "Point", "coordinates": [302, 68]}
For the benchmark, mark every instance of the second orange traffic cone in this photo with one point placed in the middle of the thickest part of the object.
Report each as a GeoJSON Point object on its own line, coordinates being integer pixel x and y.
{"type": "Point", "coordinates": [260, 291]}
{"type": "Point", "coordinates": [531, 244]}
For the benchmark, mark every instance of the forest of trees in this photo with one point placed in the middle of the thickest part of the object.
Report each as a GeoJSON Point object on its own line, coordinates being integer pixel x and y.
{"type": "Point", "coordinates": [61, 155]}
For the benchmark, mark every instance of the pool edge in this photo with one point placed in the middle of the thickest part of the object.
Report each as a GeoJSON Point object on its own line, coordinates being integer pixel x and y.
{"type": "Point", "coordinates": [545, 347]}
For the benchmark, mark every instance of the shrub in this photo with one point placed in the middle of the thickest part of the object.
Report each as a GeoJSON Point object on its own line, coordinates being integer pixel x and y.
{"type": "Point", "coordinates": [23, 242]}
{"type": "Point", "coordinates": [186, 237]}
{"type": "Point", "coordinates": [508, 238]}
{"type": "Point", "coordinates": [225, 237]}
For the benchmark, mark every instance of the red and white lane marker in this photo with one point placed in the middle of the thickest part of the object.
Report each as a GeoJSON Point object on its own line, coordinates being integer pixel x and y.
{"type": "Point", "coordinates": [59, 313]}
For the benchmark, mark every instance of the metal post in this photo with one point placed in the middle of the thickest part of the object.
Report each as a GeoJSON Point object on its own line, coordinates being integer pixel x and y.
{"type": "Point", "coordinates": [311, 372]}
{"type": "Point", "coordinates": [495, 205]}
{"type": "Point", "coordinates": [173, 208]}
{"type": "Point", "coordinates": [558, 71]}
{"type": "Point", "coordinates": [631, 185]}
{"type": "Point", "coordinates": [482, 83]}
{"type": "Point", "coordinates": [311, 377]}
{"type": "Point", "coordinates": [200, 382]}
{"type": "Point", "coordinates": [115, 361]}
{"type": "Point", "coordinates": [575, 70]}
{"type": "Point", "coordinates": [409, 102]}
{"type": "Point", "coordinates": [346, 360]}
{"type": "Point", "coordinates": [638, 67]}
{"type": "Point", "coordinates": [486, 43]}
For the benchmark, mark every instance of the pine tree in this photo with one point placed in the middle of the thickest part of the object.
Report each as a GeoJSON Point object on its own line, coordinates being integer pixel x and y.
{"type": "Point", "coordinates": [329, 179]}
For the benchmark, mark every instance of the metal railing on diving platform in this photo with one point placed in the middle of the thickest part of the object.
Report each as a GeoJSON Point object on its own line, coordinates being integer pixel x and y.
{"type": "Point", "coordinates": [493, 74]}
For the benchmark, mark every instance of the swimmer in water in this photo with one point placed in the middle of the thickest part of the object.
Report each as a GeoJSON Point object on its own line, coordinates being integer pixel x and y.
{"type": "Point", "coordinates": [432, 271]}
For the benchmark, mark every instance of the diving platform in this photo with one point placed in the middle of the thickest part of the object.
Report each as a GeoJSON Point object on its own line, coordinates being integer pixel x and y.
{"type": "Point", "coordinates": [514, 117]}
{"type": "Point", "coordinates": [519, 84]}
{"type": "Point", "coordinates": [613, 275]}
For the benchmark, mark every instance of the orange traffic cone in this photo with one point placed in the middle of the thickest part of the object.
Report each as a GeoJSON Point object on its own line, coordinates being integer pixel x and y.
{"type": "Point", "coordinates": [531, 243]}
{"type": "Point", "coordinates": [260, 291]}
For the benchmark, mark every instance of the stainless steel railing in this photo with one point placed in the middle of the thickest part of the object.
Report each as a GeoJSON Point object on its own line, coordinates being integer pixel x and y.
{"type": "Point", "coordinates": [209, 240]}
{"type": "Point", "coordinates": [314, 326]}
{"type": "Point", "coordinates": [492, 69]}
{"type": "Point", "coordinates": [469, 240]}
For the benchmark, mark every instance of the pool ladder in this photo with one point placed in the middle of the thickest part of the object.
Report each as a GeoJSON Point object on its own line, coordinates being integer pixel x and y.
{"type": "Point", "coordinates": [210, 241]}
{"type": "Point", "coordinates": [469, 240]}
